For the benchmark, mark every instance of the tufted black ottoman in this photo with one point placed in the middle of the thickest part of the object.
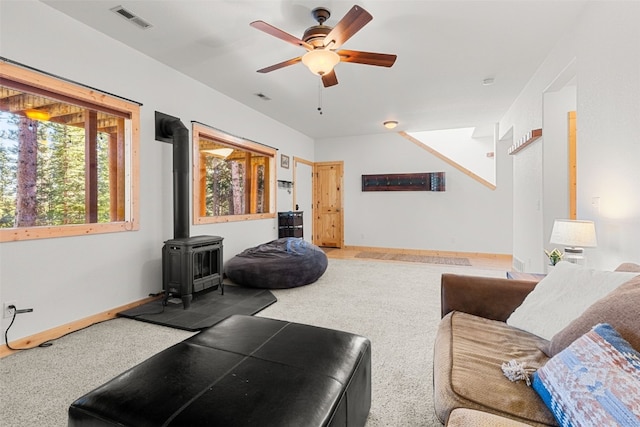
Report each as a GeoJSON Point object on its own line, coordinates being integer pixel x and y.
{"type": "Point", "coordinates": [287, 262]}
{"type": "Point", "coordinates": [244, 371]}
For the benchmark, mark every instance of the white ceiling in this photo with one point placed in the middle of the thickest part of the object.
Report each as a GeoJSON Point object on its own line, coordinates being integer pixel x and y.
{"type": "Point", "coordinates": [445, 50]}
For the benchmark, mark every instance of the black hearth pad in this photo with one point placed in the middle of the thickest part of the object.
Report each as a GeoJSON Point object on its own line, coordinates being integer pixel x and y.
{"type": "Point", "coordinates": [207, 308]}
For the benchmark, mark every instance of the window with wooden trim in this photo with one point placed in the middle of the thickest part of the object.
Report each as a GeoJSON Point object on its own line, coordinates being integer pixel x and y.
{"type": "Point", "coordinates": [233, 178]}
{"type": "Point", "coordinates": [68, 158]}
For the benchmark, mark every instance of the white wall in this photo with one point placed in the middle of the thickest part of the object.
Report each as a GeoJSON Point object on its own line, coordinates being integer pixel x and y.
{"type": "Point", "coordinates": [66, 279]}
{"type": "Point", "coordinates": [557, 105]}
{"type": "Point", "coordinates": [467, 217]}
{"type": "Point", "coordinates": [605, 45]}
{"type": "Point", "coordinates": [527, 208]}
{"type": "Point", "coordinates": [541, 177]}
{"type": "Point", "coordinates": [609, 128]}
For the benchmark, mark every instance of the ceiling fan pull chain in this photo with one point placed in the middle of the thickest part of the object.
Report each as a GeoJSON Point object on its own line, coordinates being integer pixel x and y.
{"type": "Point", "coordinates": [319, 98]}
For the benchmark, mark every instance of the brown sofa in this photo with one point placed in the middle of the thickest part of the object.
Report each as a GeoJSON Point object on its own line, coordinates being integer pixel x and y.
{"type": "Point", "coordinates": [472, 343]}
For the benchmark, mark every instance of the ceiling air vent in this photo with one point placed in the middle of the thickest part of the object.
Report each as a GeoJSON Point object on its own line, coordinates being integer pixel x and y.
{"type": "Point", "coordinates": [262, 96]}
{"type": "Point", "coordinates": [131, 17]}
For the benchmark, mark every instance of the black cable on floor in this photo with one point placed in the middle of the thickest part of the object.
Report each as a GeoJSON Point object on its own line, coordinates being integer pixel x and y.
{"type": "Point", "coordinates": [149, 313]}
{"type": "Point", "coordinates": [6, 339]}
{"type": "Point", "coordinates": [47, 343]}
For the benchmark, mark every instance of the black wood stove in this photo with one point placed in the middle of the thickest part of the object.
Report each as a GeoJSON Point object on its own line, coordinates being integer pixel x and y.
{"type": "Point", "coordinates": [189, 264]}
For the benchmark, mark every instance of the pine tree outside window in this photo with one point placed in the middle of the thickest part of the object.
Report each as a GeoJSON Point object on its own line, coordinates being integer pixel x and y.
{"type": "Point", "coordinates": [68, 158]}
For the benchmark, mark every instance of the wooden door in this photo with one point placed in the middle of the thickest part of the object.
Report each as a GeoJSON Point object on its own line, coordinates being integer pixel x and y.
{"type": "Point", "coordinates": [328, 226]}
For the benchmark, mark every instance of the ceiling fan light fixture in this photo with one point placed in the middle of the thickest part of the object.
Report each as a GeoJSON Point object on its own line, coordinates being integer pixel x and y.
{"type": "Point", "coordinates": [320, 61]}
{"type": "Point", "coordinates": [390, 124]}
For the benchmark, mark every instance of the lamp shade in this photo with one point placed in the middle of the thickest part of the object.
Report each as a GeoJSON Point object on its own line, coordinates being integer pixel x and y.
{"type": "Point", "coordinates": [574, 233]}
{"type": "Point", "coordinates": [320, 61]}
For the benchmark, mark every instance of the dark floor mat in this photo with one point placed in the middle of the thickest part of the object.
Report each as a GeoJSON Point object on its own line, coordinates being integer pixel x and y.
{"type": "Point", "coordinates": [207, 308]}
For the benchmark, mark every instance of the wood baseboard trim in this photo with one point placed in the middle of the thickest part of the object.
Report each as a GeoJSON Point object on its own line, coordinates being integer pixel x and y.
{"type": "Point", "coordinates": [58, 332]}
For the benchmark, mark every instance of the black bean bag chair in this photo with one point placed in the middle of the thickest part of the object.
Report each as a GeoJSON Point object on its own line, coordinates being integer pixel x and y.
{"type": "Point", "coordinates": [283, 263]}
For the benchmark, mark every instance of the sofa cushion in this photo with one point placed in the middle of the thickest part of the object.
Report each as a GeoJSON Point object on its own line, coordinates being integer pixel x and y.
{"type": "Point", "coordinates": [618, 308]}
{"type": "Point", "coordinates": [629, 266]}
{"type": "Point", "coordinates": [464, 417]}
{"type": "Point", "coordinates": [562, 296]}
{"type": "Point", "coordinates": [468, 357]}
{"type": "Point", "coordinates": [593, 382]}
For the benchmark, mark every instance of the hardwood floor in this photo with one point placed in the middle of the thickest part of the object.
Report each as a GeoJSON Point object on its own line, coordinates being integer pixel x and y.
{"type": "Point", "coordinates": [488, 261]}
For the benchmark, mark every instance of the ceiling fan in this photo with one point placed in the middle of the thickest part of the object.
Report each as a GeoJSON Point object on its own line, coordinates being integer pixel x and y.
{"type": "Point", "coordinates": [322, 43]}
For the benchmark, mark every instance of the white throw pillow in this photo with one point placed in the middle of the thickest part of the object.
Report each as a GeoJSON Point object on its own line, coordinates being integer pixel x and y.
{"type": "Point", "coordinates": [562, 296]}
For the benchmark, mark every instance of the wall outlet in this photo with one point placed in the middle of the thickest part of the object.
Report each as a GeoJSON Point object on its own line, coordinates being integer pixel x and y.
{"type": "Point", "coordinates": [6, 311]}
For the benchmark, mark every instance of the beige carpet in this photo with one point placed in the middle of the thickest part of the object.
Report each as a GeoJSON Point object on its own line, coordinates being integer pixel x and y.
{"type": "Point", "coordinates": [415, 258]}
{"type": "Point", "coordinates": [395, 305]}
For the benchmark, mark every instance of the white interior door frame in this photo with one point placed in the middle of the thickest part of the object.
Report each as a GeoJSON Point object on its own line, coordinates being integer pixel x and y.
{"type": "Point", "coordinates": [303, 194]}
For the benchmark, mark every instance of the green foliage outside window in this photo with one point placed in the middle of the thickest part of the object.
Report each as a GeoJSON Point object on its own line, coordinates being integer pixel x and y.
{"type": "Point", "coordinates": [60, 172]}
{"type": "Point", "coordinates": [220, 187]}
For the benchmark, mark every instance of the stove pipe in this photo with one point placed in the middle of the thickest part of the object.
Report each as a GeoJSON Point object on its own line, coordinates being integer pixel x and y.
{"type": "Point", "coordinates": [172, 130]}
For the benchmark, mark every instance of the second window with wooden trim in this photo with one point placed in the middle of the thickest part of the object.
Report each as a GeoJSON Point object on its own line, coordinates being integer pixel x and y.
{"type": "Point", "coordinates": [233, 178]}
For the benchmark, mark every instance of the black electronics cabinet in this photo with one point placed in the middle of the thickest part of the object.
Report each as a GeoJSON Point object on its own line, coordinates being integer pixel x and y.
{"type": "Point", "coordinates": [290, 224]}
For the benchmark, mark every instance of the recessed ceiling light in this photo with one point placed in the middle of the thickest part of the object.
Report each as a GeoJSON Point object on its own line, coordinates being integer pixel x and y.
{"type": "Point", "coordinates": [390, 124]}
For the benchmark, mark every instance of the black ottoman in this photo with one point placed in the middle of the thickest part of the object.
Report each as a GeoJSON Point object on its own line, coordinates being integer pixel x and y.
{"type": "Point", "coordinates": [287, 262]}
{"type": "Point", "coordinates": [244, 371]}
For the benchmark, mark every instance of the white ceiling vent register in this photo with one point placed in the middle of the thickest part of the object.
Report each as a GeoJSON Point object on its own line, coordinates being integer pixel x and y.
{"type": "Point", "coordinates": [131, 17]}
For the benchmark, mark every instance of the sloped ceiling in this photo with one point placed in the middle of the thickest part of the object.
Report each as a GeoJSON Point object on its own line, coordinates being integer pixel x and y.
{"type": "Point", "coordinates": [445, 50]}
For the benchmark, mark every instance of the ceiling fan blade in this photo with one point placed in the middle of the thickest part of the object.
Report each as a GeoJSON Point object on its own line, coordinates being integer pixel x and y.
{"type": "Point", "coordinates": [368, 58]}
{"type": "Point", "coordinates": [280, 65]}
{"type": "Point", "coordinates": [276, 32]}
{"type": "Point", "coordinates": [350, 24]}
{"type": "Point", "coordinates": [330, 79]}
